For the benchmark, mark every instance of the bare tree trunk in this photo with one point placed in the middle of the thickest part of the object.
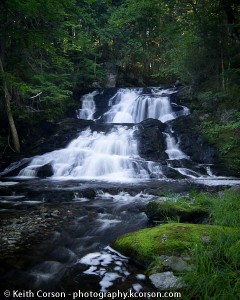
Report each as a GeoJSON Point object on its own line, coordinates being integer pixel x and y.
{"type": "Point", "coordinates": [95, 66]}
{"type": "Point", "coordinates": [7, 99]}
{"type": "Point", "coordinates": [223, 69]}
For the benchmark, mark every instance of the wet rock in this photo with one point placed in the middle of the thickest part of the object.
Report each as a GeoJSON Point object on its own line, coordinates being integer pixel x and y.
{"type": "Point", "coordinates": [166, 281]}
{"type": "Point", "coordinates": [102, 99]}
{"type": "Point", "coordinates": [55, 213]}
{"type": "Point", "coordinates": [89, 193]}
{"type": "Point", "coordinates": [192, 142]}
{"type": "Point", "coordinates": [151, 140]}
{"type": "Point", "coordinates": [14, 168]}
{"type": "Point", "coordinates": [171, 173]}
{"type": "Point", "coordinates": [31, 228]}
{"type": "Point", "coordinates": [45, 171]}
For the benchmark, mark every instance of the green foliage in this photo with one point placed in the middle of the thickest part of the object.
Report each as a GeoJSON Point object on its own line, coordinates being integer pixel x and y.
{"type": "Point", "coordinates": [216, 272]}
{"type": "Point", "coordinates": [55, 46]}
{"type": "Point", "coordinates": [33, 53]}
{"type": "Point", "coordinates": [226, 209]}
{"type": "Point", "coordinates": [90, 72]}
{"type": "Point", "coordinates": [213, 278]}
{"type": "Point", "coordinates": [223, 132]}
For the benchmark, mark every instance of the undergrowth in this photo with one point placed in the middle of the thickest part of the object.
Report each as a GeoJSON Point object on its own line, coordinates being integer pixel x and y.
{"type": "Point", "coordinates": [217, 272]}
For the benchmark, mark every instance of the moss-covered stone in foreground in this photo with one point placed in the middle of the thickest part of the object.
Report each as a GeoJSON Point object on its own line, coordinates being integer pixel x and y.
{"type": "Point", "coordinates": [144, 246]}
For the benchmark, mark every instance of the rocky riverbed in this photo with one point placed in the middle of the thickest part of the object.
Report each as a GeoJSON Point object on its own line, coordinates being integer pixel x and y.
{"type": "Point", "coordinates": [22, 229]}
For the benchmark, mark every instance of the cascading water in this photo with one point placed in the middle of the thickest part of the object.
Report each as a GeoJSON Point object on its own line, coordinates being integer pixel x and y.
{"type": "Point", "coordinates": [131, 106]}
{"type": "Point", "coordinates": [173, 150]}
{"type": "Point", "coordinates": [88, 106]}
{"type": "Point", "coordinates": [114, 155]}
{"type": "Point", "coordinates": [95, 156]}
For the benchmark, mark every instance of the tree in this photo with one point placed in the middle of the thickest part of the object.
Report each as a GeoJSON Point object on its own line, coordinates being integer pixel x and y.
{"type": "Point", "coordinates": [34, 37]}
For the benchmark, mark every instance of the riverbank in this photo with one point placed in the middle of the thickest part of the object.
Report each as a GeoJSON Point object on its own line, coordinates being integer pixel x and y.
{"type": "Point", "coordinates": [203, 257]}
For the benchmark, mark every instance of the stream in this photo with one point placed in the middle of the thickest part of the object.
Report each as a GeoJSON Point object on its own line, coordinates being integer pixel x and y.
{"type": "Point", "coordinates": [100, 180]}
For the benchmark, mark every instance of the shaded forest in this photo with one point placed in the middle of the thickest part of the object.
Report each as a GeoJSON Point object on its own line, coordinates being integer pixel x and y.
{"type": "Point", "coordinates": [51, 50]}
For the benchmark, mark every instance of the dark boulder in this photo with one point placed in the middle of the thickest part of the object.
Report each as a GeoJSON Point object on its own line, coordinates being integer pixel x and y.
{"type": "Point", "coordinates": [88, 193]}
{"type": "Point", "coordinates": [151, 140]}
{"type": "Point", "coordinates": [172, 173]}
{"type": "Point", "coordinates": [14, 168]}
{"type": "Point", "coordinates": [191, 140]}
{"type": "Point", "coordinates": [101, 101]}
{"type": "Point", "coordinates": [45, 171]}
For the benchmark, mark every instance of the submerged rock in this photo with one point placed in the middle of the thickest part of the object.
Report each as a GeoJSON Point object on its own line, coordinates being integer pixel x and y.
{"type": "Point", "coordinates": [89, 193]}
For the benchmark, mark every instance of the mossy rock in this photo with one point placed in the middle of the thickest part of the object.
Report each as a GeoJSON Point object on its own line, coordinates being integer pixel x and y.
{"type": "Point", "coordinates": [146, 245]}
{"type": "Point", "coordinates": [184, 212]}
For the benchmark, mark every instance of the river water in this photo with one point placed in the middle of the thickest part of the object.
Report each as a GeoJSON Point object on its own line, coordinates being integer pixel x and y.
{"type": "Point", "coordinates": [79, 256]}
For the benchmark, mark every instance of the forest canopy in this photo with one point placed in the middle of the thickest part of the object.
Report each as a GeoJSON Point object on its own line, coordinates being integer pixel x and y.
{"type": "Point", "coordinates": [51, 48]}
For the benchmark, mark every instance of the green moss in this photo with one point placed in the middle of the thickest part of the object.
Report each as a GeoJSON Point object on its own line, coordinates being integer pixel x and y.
{"type": "Point", "coordinates": [184, 211]}
{"type": "Point", "coordinates": [143, 246]}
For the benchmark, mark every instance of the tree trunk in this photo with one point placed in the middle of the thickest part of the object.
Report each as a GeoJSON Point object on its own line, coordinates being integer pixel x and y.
{"type": "Point", "coordinates": [7, 99]}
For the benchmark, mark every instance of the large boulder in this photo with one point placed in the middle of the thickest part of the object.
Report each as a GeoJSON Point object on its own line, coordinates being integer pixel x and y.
{"type": "Point", "coordinates": [14, 168]}
{"type": "Point", "coordinates": [45, 171]}
{"type": "Point", "coordinates": [191, 141]}
{"type": "Point", "coordinates": [183, 211]}
{"type": "Point", "coordinates": [176, 239]}
{"type": "Point", "coordinates": [151, 140]}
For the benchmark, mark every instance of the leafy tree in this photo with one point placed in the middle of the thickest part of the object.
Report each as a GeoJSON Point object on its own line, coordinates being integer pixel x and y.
{"type": "Point", "coordinates": [34, 35]}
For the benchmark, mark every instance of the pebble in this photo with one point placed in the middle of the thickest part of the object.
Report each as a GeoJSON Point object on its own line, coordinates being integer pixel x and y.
{"type": "Point", "coordinates": [18, 231]}
{"type": "Point", "coordinates": [166, 280]}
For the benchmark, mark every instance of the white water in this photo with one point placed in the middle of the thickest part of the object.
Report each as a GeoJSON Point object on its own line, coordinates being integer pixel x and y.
{"type": "Point", "coordinates": [131, 106]}
{"type": "Point", "coordinates": [88, 106]}
{"type": "Point", "coordinates": [94, 155]}
{"type": "Point", "coordinates": [99, 263]}
{"type": "Point", "coordinates": [173, 150]}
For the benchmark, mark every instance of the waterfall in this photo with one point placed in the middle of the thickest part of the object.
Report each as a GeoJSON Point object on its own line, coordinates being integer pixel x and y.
{"type": "Point", "coordinates": [88, 106]}
{"type": "Point", "coordinates": [96, 155]}
{"type": "Point", "coordinates": [173, 150]}
{"type": "Point", "coordinates": [114, 155]}
{"type": "Point", "coordinates": [131, 106]}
